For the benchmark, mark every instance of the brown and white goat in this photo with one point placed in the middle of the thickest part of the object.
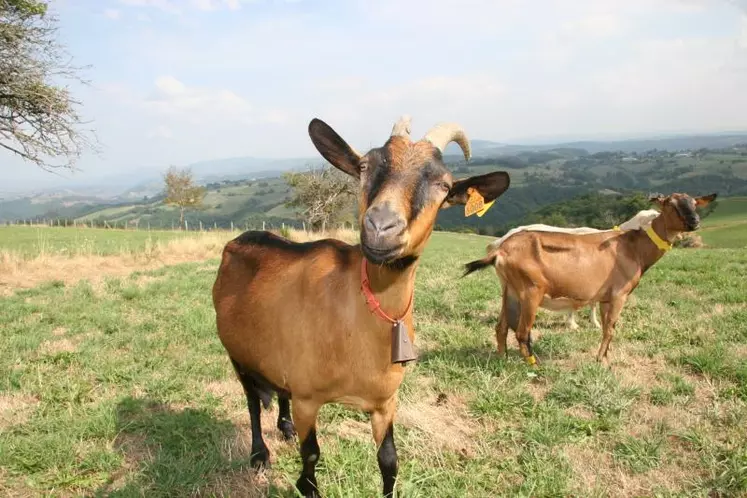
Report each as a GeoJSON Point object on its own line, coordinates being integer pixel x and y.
{"type": "Point", "coordinates": [641, 218]}
{"type": "Point", "coordinates": [294, 317]}
{"type": "Point", "coordinates": [561, 271]}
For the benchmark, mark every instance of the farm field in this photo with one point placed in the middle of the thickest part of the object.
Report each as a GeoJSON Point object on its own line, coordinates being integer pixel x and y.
{"type": "Point", "coordinates": [119, 387]}
{"type": "Point", "coordinates": [32, 241]}
{"type": "Point", "coordinates": [727, 226]}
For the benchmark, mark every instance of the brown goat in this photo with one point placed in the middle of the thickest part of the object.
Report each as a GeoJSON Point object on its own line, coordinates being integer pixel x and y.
{"type": "Point", "coordinates": [562, 271]}
{"type": "Point", "coordinates": [294, 317]}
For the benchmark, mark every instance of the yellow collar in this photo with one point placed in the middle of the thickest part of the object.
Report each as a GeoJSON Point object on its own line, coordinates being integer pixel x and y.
{"type": "Point", "coordinates": [660, 243]}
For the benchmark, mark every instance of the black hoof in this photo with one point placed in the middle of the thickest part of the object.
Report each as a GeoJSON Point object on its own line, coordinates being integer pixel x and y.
{"type": "Point", "coordinates": [289, 432]}
{"type": "Point", "coordinates": [261, 459]}
{"type": "Point", "coordinates": [307, 487]}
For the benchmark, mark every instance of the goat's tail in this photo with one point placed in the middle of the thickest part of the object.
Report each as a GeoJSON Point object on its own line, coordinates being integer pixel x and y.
{"type": "Point", "coordinates": [480, 264]}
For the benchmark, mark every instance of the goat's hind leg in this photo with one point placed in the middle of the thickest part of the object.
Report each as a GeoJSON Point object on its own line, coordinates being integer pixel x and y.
{"type": "Point", "coordinates": [260, 454]}
{"type": "Point", "coordinates": [285, 421]}
{"type": "Point", "coordinates": [594, 316]}
{"type": "Point", "coordinates": [610, 314]}
{"type": "Point", "coordinates": [501, 329]}
{"type": "Point", "coordinates": [529, 305]}
{"type": "Point", "coordinates": [572, 320]}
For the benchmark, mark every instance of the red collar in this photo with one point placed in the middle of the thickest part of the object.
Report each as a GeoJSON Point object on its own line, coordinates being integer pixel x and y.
{"type": "Point", "coordinates": [373, 304]}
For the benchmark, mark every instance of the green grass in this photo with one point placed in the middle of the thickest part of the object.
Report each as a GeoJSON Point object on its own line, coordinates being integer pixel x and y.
{"type": "Point", "coordinates": [726, 227]}
{"type": "Point", "coordinates": [123, 389]}
{"type": "Point", "coordinates": [33, 241]}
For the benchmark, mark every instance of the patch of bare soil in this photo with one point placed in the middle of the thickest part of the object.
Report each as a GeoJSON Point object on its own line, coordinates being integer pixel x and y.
{"type": "Point", "coordinates": [446, 422]}
{"type": "Point", "coordinates": [596, 472]}
{"type": "Point", "coordinates": [57, 346]}
{"type": "Point", "coordinates": [15, 409]}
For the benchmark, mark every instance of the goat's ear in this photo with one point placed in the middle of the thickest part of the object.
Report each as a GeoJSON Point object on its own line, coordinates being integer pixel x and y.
{"type": "Point", "coordinates": [491, 186]}
{"type": "Point", "coordinates": [333, 148]}
{"type": "Point", "coordinates": [705, 200]}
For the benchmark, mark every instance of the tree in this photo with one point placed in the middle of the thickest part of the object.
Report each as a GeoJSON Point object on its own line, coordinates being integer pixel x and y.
{"type": "Point", "coordinates": [181, 191]}
{"type": "Point", "coordinates": [38, 117]}
{"type": "Point", "coordinates": [324, 195]}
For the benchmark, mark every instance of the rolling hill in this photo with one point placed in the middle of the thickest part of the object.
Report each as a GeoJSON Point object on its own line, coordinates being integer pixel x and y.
{"type": "Point", "coordinates": [541, 176]}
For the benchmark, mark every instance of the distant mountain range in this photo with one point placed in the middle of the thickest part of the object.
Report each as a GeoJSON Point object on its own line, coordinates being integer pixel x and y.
{"type": "Point", "coordinates": [137, 185]}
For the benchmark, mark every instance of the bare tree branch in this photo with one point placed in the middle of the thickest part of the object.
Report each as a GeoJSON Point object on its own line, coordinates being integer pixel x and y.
{"type": "Point", "coordinates": [322, 195]}
{"type": "Point", "coordinates": [39, 120]}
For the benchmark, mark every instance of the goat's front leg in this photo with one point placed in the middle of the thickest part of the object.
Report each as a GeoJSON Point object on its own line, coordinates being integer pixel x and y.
{"type": "Point", "coordinates": [304, 416]}
{"type": "Point", "coordinates": [610, 314]}
{"type": "Point", "coordinates": [382, 425]}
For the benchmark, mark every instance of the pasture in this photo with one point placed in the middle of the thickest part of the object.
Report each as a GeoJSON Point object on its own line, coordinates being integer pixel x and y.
{"type": "Point", "coordinates": [118, 386]}
{"type": "Point", "coordinates": [727, 225]}
{"type": "Point", "coordinates": [35, 241]}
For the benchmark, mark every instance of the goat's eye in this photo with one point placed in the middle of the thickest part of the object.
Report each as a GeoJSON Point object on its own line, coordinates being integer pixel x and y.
{"type": "Point", "coordinates": [443, 186]}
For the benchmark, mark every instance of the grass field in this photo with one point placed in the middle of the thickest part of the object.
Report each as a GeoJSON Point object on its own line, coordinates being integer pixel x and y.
{"type": "Point", "coordinates": [727, 226]}
{"type": "Point", "coordinates": [34, 241]}
{"type": "Point", "coordinates": [120, 387]}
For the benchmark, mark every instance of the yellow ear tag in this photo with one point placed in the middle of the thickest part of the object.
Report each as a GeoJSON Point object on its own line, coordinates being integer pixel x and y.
{"type": "Point", "coordinates": [485, 208]}
{"type": "Point", "coordinates": [475, 203]}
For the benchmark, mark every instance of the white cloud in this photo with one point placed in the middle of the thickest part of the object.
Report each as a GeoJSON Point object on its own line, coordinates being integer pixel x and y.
{"type": "Point", "coordinates": [113, 14]}
{"type": "Point", "coordinates": [173, 6]}
{"type": "Point", "coordinates": [195, 104]}
{"type": "Point", "coordinates": [594, 26]}
{"type": "Point", "coordinates": [164, 5]}
{"type": "Point", "coordinates": [160, 131]}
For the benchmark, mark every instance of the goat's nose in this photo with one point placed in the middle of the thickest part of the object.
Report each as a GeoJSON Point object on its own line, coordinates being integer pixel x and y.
{"type": "Point", "coordinates": [384, 222]}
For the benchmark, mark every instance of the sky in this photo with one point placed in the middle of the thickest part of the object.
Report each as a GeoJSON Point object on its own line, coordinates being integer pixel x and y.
{"type": "Point", "coordinates": [180, 81]}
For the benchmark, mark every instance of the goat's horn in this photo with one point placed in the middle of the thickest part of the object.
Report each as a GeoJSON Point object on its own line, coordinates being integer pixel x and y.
{"type": "Point", "coordinates": [444, 133]}
{"type": "Point", "coordinates": [402, 127]}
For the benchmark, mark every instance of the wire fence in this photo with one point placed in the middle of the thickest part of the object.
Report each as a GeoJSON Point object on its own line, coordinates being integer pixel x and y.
{"type": "Point", "coordinates": [191, 226]}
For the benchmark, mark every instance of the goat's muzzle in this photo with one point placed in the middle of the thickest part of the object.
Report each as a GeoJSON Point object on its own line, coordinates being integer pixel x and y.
{"type": "Point", "coordinates": [693, 223]}
{"type": "Point", "coordinates": [381, 234]}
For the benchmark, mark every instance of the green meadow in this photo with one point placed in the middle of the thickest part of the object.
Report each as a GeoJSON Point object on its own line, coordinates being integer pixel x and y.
{"type": "Point", "coordinates": [120, 387]}
{"type": "Point", "coordinates": [34, 241]}
{"type": "Point", "coordinates": [727, 225]}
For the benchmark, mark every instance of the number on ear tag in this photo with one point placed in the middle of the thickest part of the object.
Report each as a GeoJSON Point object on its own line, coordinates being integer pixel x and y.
{"type": "Point", "coordinates": [475, 202]}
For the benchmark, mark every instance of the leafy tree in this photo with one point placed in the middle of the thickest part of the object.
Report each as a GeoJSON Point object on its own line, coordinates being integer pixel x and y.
{"type": "Point", "coordinates": [321, 195]}
{"type": "Point", "coordinates": [180, 190]}
{"type": "Point", "coordinates": [38, 117]}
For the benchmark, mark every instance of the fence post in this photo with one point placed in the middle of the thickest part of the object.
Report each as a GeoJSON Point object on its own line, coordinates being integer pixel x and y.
{"type": "Point", "coordinates": [201, 225]}
{"type": "Point", "coordinates": [186, 226]}
{"type": "Point", "coordinates": [232, 226]}
{"type": "Point", "coordinates": [263, 225]}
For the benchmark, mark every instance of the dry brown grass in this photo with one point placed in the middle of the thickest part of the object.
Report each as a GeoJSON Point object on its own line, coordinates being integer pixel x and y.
{"type": "Point", "coordinates": [446, 424]}
{"type": "Point", "coordinates": [19, 272]}
{"type": "Point", "coordinates": [15, 409]}
{"type": "Point", "coordinates": [689, 241]}
{"type": "Point", "coordinates": [58, 346]}
{"type": "Point", "coordinates": [344, 234]}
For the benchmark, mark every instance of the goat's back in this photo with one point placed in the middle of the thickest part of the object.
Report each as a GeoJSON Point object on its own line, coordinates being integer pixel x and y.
{"type": "Point", "coordinates": [562, 264]}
